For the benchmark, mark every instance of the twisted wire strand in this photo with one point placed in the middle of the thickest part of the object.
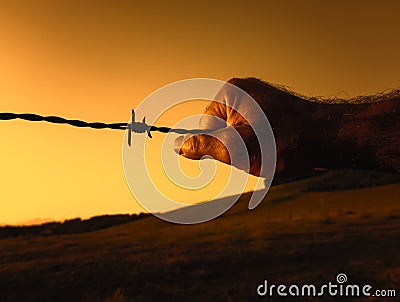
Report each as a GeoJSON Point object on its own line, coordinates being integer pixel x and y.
{"type": "Point", "coordinates": [137, 127]}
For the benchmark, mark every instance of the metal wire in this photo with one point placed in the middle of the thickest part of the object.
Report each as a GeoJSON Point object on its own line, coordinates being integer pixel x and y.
{"type": "Point", "coordinates": [137, 127]}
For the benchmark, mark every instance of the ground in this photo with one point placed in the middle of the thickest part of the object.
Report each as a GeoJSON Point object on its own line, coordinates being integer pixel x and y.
{"type": "Point", "coordinates": [304, 232]}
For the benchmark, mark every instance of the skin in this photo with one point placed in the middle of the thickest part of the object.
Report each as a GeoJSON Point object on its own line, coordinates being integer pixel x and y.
{"type": "Point", "coordinates": [308, 134]}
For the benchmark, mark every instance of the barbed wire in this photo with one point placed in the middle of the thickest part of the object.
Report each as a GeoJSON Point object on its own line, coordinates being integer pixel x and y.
{"type": "Point", "coordinates": [60, 120]}
{"type": "Point", "coordinates": [137, 127]}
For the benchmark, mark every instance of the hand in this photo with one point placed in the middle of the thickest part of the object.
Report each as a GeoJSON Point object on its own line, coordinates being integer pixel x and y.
{"type": "Point", "coordinates": [308, 134]}
{"type": "Point", "coordinates": [224, 124]}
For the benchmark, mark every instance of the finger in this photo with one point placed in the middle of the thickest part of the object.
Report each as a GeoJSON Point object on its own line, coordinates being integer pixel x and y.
{"type": "Point", "coordinates": [225, 108]}
{"type": "Point", "coordinates": [219, 142]}
{"type": "Point", "coordinates": [230, 103]}
{"type": "Point", "coordinates": [214, 117]}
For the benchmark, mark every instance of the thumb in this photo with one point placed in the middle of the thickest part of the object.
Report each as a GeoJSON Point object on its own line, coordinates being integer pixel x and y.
{"type": "Point", "coordinates": [199, 145]}
{"type": "Point", "coordinates": [219, 142]}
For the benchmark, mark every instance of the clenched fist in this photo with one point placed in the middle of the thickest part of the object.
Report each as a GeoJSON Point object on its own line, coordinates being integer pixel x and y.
{"type": "Point", "coordinates": [308, 134]}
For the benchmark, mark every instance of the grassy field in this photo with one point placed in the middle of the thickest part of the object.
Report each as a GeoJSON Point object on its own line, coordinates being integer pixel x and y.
{"type": "Point", "coordinates": [306, 231]}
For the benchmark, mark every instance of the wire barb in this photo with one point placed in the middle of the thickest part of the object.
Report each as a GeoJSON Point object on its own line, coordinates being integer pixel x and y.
{"type": "Point", "coordinates": [137, 127]}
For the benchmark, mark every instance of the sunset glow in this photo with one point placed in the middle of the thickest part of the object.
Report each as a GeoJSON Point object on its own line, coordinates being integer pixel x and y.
{"type": "Point", "coordinates": [96, 62]}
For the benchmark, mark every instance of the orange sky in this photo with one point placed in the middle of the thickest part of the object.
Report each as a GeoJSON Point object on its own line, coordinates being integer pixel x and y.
{"type": "Point", "coordinates": [96, 61]}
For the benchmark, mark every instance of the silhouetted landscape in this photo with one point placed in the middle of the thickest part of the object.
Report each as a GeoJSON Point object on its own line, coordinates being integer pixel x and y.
{"type": "Point", "coordinates": [305, 231]}
{"type": "Point", "coordinates": [70, 226]}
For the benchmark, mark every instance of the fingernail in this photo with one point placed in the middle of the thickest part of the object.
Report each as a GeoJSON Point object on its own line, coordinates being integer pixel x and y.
{"type": "Point", "coordinates": [178, 144]}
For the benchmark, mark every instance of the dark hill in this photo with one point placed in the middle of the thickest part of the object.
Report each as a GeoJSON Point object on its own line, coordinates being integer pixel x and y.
{"type": "Point", "coordinates": [71, 226]}
{"type": "Point", "coordinates": [302, 233]}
